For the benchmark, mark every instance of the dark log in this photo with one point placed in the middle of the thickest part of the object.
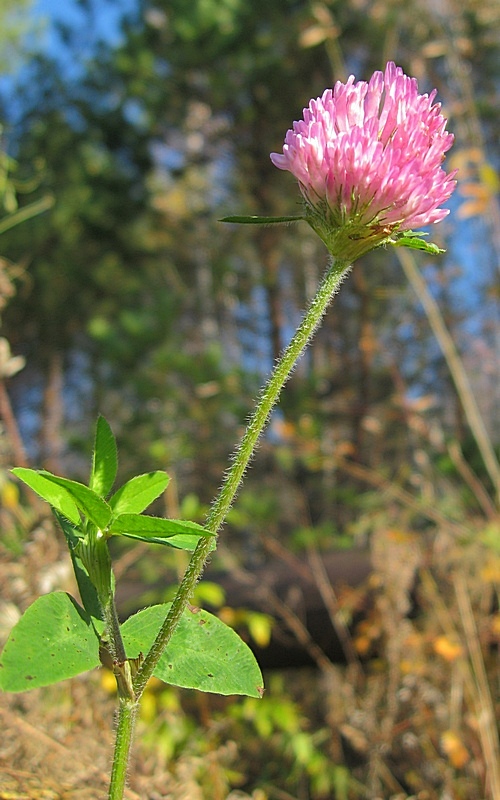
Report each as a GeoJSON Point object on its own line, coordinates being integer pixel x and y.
{"type": "Point", "coordinates": [289, 592]}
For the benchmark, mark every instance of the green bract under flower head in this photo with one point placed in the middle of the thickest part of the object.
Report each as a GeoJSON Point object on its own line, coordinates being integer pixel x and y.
{"type": "Point", "coordinates": [368, 160]}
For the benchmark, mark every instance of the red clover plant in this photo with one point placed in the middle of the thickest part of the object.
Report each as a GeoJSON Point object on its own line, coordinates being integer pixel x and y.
{"type": "Point", "coordinates": [368, 158]}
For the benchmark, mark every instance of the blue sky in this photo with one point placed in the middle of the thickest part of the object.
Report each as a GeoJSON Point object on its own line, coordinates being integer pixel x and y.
{"type": "Point", "coordinates": [103, 24]}
{"type": "Point", "coordinates": [105, 19]}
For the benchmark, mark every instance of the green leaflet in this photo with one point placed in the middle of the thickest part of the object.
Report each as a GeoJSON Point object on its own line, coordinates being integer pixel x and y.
{"type": "Point", "coordinates": [66, 496]}
{"type": "Point", "coordinates": [158, 530]}
{"type": "Point", "coordinates": [138, 493]}
{"type": "Point", "coordinates": [203, 653]}
{"type": "Point", "coordinates": [53, 493]}
{"type": "Point", "coordinates": [104, 459]}
{"type": "Point", "coordinates": [54, 640]}
{"type": "Point", "coordinates": [94, 507]}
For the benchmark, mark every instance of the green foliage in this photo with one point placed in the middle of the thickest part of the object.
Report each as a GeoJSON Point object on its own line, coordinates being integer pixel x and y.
{"type": "Point", "coordinates": [138, 493]}
{"type": "Point", "coordinates": [52, 492]}
{"type": "Point", "coordinates": [122, 515]}
{"type": "Point", "coordinates": [55, 639]}
{"type": "Point", "coordinates": [16, 22]}
{"type": "Point", "coordinates": [104, 461]}
{"type": "Point", "coordinates": [70, 497]}
{"type": "Point", "coordinates": [411, 239]}
{"type": "Point", "coordinates": [414, 240]}
{"type": "Point", "coordinates": [86, 587]}
{"type": "Point", "coordinates": [203, 653]}
{"type": "Point", "coordinates": [174, 532]}
{"type": "Point", "coordinates": [323, 536]}
{"type": "Point", "coordinates": [491, 537]}
{"type": "Point", "coordinates": [88, 502]}
{"type": "Point", "coordinates": [209, 592]}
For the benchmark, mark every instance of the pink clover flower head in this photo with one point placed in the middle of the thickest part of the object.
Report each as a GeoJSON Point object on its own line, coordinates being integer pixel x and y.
{"type": "Point", "coordinates": [368, 159]}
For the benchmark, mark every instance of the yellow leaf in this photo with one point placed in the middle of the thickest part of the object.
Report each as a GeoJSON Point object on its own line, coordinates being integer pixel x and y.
{"type": "Point", "coordinates": [495, 625]}
{"type": "Point", "coordinates": [260, 626]}
{"type": "Point", "coordinates": [413, 666]}
{"type": "Point", "coordinates": [489, 177]}
{"type": "Point", "coordinates": [447, 649]}
{"type": "Point", "coordinates": [228, 616]}
{"type": "Point", "coordinates": [10, 495]}
{"type": "Point", "coordinates": [148, 707]}
{"type": "Point", "coordinates": [400, 536]}
{"type": "Point", "coordinates": [454, 749]}
{"type": "Point", "coordinates": [108, 681]}
{"type": "Point", "coordinates": [313, 36]}
{"type": "Point", "coordinates": [490, 573]}
{"type": "Point", "coordinates": [362, 644]}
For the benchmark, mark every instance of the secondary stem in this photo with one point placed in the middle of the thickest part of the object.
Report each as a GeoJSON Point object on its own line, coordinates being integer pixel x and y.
{"type": "Point", "coordinates": [326, 291]}
{"type": "Point", "coordinates": [113, 630]}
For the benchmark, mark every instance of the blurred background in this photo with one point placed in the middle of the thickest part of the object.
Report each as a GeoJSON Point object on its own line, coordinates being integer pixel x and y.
{"type": "Point", "coordinates": [362, 558]}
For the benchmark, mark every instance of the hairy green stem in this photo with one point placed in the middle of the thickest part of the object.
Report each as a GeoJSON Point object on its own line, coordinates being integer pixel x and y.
{"type": "Point", "coordinates": [270, 394]}
{"type": "Point", "coordinates": [124, 731]}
